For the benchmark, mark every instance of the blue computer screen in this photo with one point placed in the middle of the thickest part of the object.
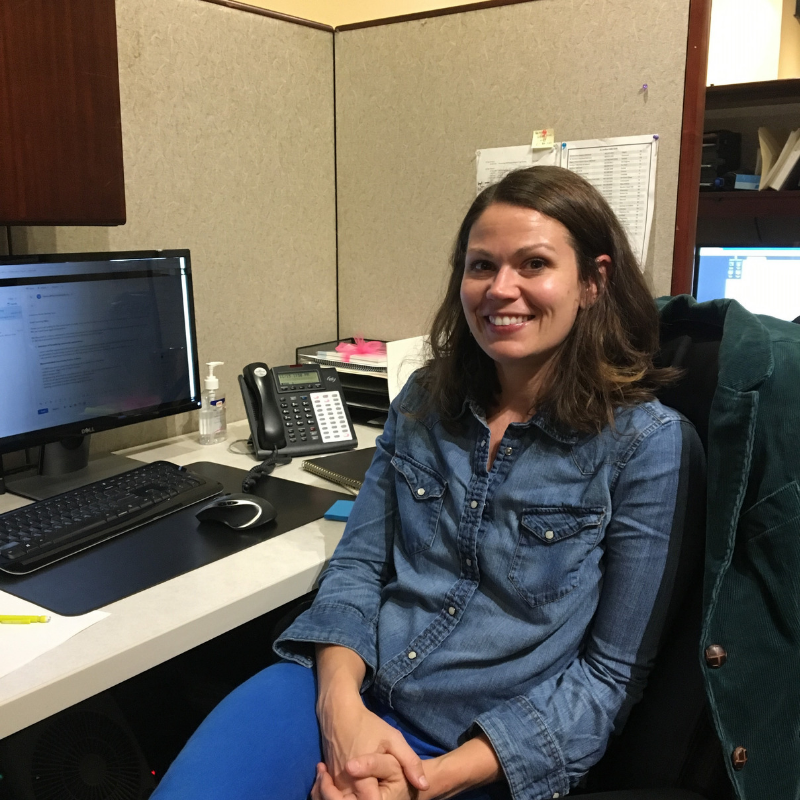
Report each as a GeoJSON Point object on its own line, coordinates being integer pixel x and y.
{"type": "Point", "coordinates": [765, 280]}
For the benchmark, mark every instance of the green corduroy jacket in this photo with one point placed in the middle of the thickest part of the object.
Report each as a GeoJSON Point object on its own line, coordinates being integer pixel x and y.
{"type": "Point", "coordinates": [752, 567]}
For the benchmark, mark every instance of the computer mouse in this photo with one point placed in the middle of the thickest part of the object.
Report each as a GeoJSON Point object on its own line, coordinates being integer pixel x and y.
{"type": "Point", "coordinates": [238, 511]}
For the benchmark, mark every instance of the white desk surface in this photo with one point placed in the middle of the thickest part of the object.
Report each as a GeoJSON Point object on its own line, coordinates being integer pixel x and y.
{"type": "Point", "coordinates": [153, 626]}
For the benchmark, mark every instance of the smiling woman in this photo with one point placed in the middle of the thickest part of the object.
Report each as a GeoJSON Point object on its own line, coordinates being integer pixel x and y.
{"type": "Point", "coordinates": [543, 249]}
{"type": "Point", "coordinates": [493, 608]}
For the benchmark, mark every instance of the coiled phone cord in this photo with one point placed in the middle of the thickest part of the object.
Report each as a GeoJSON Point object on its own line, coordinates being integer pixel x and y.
{"type": "Point", "coordinates": [263, 469]}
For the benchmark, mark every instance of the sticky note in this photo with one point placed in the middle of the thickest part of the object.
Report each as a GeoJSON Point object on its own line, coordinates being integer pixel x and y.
{"type": "Point", "coordinates": [543, 138]}
{"type": "Point", "coordinates": [340, 510]}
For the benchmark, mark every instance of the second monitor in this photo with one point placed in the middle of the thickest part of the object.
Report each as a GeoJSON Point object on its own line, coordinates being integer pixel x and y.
{"type": "Point", "coordinates": [765, 280]}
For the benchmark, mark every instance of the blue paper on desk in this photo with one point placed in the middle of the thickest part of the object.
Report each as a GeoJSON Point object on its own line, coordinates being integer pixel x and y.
{"type": "Point", "coordinates": [340, 510]}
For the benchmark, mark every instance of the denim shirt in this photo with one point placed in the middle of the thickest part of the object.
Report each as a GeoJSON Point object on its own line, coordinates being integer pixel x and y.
{"type": "Point", "coordinates": [525, 600]}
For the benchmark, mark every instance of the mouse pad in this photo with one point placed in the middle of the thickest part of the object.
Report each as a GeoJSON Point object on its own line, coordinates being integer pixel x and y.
{"type": "Point", "coordinates": [165, 548]}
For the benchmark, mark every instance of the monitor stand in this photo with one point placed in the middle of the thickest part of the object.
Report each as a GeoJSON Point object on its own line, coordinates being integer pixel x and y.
{"type": "Point", "coordinates": [64, 466]}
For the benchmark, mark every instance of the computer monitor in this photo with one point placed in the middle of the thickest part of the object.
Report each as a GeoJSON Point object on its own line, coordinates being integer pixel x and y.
{"type": "Point", "coordinates": [93, 341]}
{"type": "Point", "coordinates": [765, 280]}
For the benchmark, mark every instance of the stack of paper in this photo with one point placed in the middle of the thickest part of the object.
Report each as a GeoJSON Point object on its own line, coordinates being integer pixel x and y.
{"type": "Point", "coordinates": [362, 362]}
{"type": "Point", "coordinates": [780, 166]}
{"type": "Point", "coordinates": [770, 144]}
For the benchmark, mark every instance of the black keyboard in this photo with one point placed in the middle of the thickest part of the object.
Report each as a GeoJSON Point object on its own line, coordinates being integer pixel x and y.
{"type": "Point", "coordinates": [36, 535]}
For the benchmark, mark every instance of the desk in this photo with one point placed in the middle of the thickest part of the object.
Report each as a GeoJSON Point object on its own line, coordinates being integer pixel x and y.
{"type": "Point", "coordinates": [153, 626]}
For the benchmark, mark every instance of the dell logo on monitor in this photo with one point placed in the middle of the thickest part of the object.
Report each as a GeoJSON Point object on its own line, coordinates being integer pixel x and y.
{"type": "Point", "coordinates": [87, 430]}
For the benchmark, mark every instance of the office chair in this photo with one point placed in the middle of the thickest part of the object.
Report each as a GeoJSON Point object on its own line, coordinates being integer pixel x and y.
{"type": "Point", "coordinates": [668, 749]}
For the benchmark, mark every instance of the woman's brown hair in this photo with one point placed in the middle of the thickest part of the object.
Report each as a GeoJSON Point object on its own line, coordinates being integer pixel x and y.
{"type": "Point", "coordinates": [605, 362]}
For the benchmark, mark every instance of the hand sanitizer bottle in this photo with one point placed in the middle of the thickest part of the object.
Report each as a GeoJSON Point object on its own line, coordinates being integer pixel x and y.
{"type": "Point", "coordinates": [212, 409]}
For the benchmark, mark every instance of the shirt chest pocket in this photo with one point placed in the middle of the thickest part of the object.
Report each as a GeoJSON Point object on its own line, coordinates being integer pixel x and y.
{"type": "Point", "coordinates": [420, 495]}
{"type": "Point", "coordinates": [553, 543]}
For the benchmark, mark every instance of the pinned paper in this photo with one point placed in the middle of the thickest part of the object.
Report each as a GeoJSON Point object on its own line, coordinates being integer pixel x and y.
{"type": "Point", "coordinates": [496, 162]}
{"type": "Point", "coordinates": [623, 169]}
{"type": "Point", "coordinates": [543, 138]}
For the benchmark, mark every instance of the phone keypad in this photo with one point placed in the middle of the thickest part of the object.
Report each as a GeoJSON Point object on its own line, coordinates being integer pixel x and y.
{"type": "Point", "coordinates": [298, 419]}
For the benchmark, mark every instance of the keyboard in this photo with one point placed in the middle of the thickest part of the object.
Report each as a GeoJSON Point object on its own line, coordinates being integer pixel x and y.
{"type": "Point", "coordinates": [39, 534]}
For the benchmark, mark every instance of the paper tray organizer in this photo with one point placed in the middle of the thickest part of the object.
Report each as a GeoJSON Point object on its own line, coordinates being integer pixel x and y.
{"type": "Point", "coordinates": [365, 386]}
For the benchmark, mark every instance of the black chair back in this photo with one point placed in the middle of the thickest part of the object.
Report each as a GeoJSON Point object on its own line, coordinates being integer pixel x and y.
{"type": "Point", "coordinates": [669, 740]}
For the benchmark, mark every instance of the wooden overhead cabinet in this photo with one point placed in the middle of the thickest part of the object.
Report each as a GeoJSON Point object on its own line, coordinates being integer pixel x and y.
{"type": "Point", "coordinates": [60, 131]}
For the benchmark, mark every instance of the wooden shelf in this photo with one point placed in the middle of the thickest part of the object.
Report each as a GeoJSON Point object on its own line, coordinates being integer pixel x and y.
{"type": "Point", "coordinates": [748, 203]}
{"type": "Point", "coordinates": [758, 93]}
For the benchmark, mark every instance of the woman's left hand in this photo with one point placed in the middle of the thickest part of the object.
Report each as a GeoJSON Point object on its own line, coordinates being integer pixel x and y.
{"type": "Point", "coordinates": [392, 783]}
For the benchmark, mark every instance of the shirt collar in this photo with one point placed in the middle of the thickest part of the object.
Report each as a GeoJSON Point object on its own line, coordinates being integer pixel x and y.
{"type": "Point", "coordinates": [541, 421]}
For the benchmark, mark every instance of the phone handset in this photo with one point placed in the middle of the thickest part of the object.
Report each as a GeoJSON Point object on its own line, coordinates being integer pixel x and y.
{"type": "Point", "coordinates": [270, 430]}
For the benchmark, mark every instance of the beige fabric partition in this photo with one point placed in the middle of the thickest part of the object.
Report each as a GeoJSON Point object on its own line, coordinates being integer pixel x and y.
{"type": "Point", "coordinates": [415, 100]}
{"type": "Point", "coordinates": [228, 133]}
{"type": "Point", "coordinates": [228, 141]}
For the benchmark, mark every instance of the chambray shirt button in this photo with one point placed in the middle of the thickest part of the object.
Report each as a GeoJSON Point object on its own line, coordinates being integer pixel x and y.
{"type": "Point", "coordinates": [509, 451]}
{"type": "Point", "coordinates": [420, 491]}
{"type": "Point", "coordinates": [556, 795]}
{"type": "Point", "coordinates": [483, 442]}
{"type": "Point", "coordinates": [451, 611]}
{"type": "Point", "coordinates": [548, 534]}
{"type": "Point", "coordinates": [468, 562]}
{"type": "Point", "coordinates": [473, 504]}
{"type": "Point", "coordinates": [412, 655]}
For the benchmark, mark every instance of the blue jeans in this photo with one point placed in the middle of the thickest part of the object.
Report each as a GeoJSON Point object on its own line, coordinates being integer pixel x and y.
{"type": "Point", "coordinates": [262, 743]}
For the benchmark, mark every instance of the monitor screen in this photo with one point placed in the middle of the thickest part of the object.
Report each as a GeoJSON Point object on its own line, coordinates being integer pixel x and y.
{"type": "Point", "coordinates": [765, 280]}
{"type": "Point", "coordinates": [93, 341]}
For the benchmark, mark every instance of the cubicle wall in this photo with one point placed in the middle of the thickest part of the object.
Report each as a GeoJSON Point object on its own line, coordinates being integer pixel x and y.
{"type": "Point", "coordinates": [229, 147]}
{"type": "Point", "coordinates": [415, 100]}
{"type": "Point", "coordinates": [228, 138]}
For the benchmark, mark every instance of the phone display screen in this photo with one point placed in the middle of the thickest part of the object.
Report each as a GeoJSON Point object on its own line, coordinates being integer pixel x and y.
{"type": "Point", "coordinates": [289, 379]}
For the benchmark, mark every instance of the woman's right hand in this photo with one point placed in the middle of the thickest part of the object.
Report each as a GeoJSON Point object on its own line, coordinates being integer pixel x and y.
{"type": "Point", "coordinates": [348, 729]}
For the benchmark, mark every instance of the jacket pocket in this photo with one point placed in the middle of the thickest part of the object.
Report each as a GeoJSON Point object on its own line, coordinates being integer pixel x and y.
{"type": "Point", "coordinates": [420, 496]}
{"type": "Point", "coordinates": [771, 530]}
{"type": "Point", "coordinates": [553, 542]}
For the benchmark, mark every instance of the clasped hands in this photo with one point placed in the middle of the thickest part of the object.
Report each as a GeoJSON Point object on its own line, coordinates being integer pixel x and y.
{"type": "Point", "coordinates": [366, 759]}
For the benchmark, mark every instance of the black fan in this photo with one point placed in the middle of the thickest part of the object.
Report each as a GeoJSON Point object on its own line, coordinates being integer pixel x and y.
{"type": "Point", "coordinates": [84, 753]}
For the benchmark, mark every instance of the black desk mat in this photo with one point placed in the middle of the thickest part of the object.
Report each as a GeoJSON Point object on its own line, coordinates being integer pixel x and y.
{"type": "Point", "coordinates": [165, 548]}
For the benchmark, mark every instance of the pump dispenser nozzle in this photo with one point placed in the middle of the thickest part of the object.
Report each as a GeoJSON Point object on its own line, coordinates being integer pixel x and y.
{"type": "Point", "coordinates": [211, 381]}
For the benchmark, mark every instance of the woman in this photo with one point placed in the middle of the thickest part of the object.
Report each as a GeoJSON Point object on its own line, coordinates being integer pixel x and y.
{"type": "Point", "coordinates": [492, 610]}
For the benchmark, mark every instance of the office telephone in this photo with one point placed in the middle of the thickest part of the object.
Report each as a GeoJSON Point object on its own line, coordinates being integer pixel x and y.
{"type": "Point", "coordinates": [298, 410]}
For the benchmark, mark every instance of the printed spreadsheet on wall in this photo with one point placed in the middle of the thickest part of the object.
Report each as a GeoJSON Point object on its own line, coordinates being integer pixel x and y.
{"type": "Point", "coordinates": [621, 168]}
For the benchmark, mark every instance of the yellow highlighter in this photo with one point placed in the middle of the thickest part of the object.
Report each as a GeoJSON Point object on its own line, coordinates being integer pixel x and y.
{"type": "Point", "coordinates": [21, 619]}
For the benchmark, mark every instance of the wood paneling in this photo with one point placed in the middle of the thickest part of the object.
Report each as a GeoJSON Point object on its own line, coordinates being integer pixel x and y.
{"type": "Point", "coordinates": [757, 93]}
{"type": "Point", "coordinates": [60, 131]}
{"type": "Point", "coordinates": [694, 99]}
{"type": "Point", "coordinates": [749, 204]}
